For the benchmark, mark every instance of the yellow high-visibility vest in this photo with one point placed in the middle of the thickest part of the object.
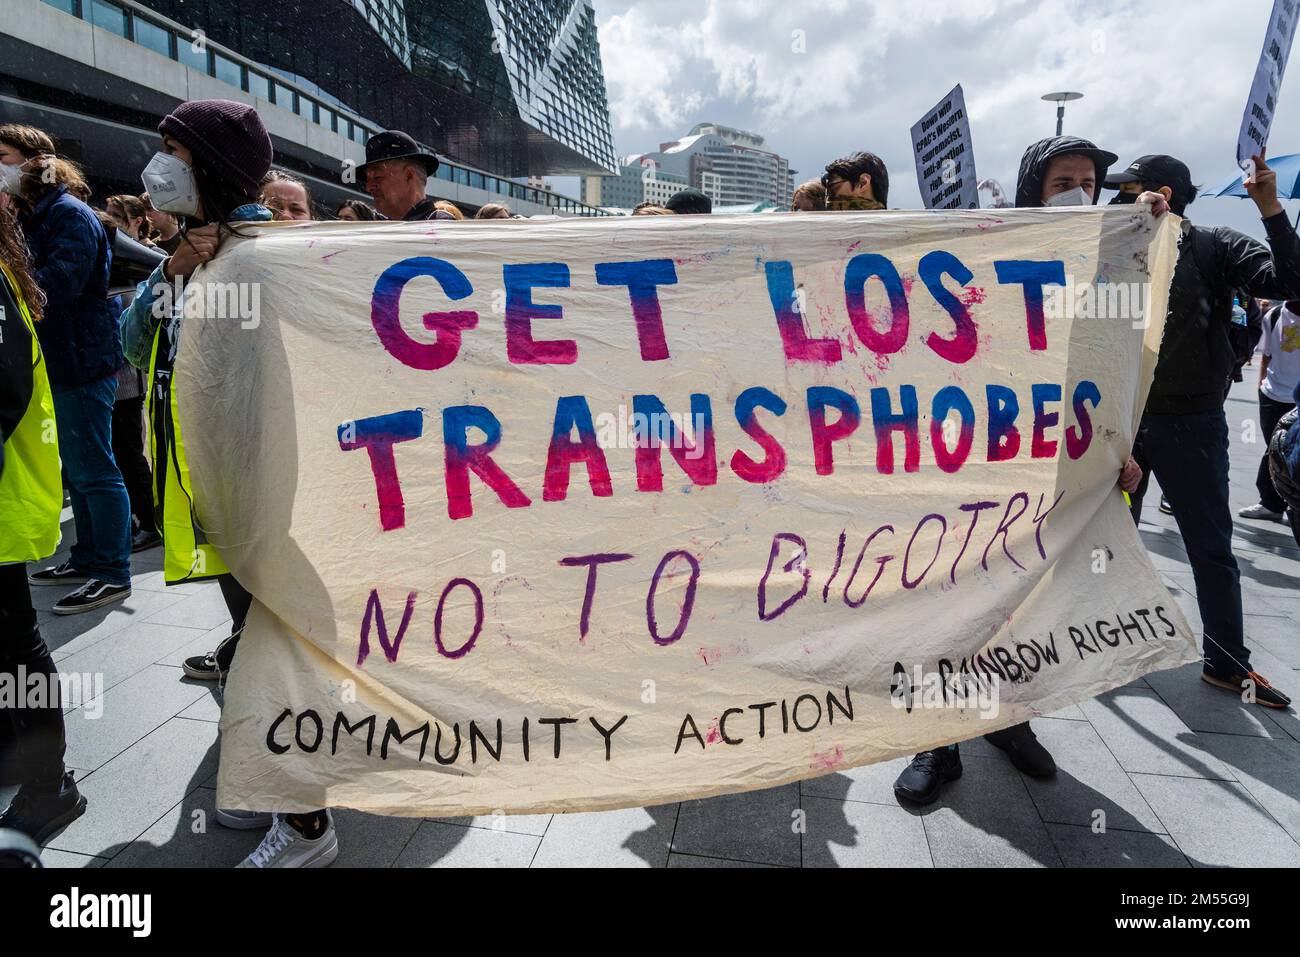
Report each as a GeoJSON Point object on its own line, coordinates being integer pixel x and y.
{"type": "Point", "coordinates": [31, 490]}
{"type": "Point", "coordinates": [187, 554]}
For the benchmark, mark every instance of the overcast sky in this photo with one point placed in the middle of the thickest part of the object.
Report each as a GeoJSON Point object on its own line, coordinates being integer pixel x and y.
{"type": "Point", "coordinates": [821, 78]}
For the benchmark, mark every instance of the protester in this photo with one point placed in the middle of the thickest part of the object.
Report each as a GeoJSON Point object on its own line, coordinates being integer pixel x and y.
{"type": "Point", "coordinates": [1062, 170]}
{"type": "Point", "coordinates": [128, 215]}
{"type": "Point", "coordinates": [286, 196]}
{"type": "Point", "coordinates": [31, 753]}
{"type": "Point", "coordinates": [397, 171]}
{"type": "Point", "coordinates": [688, 202]}
{"type": "Point", "coordinates": [492, 211]}
{"type": "Point", "coordinates": [1183, 438]}
{"type": "Point", "coordinates": [808, 197]}
{"type": "Point", "coordinates": [1279, 375]}
{"type": "Point", "coordinates": [1284, 463]}
{"type": "Point", "coordinates": [856, 182]}
{"type": "Point", "coordinates": [451, 209]}
{"type": "Point", "coordinates": [83, 351]}
{"type": "Point", "coordinates": [166, 233]}
{"type": "Point", "coordinates": [356, 211]}
{"type": "Point", "coordinates": [215, 154]}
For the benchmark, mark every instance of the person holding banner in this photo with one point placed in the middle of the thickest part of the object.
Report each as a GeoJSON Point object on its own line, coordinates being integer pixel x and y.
{"type": "Point", "coordinates": [31, 498]}
{"type": "Point", "coordinates": [396, 172]}
{"type": "Point", "coordinates": [214, 156]}
{"type": "Point", "coordinates": [1059, 171]}
{"type": "Point", "coordinates": [859, 181]}
{"type": "Point", "coordinates": [1183, 437]}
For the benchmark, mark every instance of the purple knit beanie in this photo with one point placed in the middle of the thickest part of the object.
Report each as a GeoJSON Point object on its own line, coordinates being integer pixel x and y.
{"type": "Point", "coordinates": [226, 137]}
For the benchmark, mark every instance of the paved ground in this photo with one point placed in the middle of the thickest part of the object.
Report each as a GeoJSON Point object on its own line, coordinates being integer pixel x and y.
{"type": "Point", "coordinates": [1186, 775]}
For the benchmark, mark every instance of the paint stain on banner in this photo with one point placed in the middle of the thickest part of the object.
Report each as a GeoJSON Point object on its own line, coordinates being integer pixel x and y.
{"type": "Point", "coordinates": [828, 760]}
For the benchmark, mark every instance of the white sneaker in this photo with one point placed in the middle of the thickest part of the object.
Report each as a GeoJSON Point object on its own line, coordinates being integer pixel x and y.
{"type": "Point", "coordinates": [285, 847]}
{"type": "Point", "coordinates": [244, 820]}
{"type": "Point", "coordinates": [1259, 511]}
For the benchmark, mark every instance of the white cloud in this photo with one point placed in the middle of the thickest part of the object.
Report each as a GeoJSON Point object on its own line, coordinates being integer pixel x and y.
{"type": "Point", "coordinates": [1158, 76]}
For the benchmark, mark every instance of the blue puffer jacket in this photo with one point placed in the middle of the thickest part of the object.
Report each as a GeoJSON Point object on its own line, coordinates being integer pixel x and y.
{"type": "Point", "coordinates": [79, 334]}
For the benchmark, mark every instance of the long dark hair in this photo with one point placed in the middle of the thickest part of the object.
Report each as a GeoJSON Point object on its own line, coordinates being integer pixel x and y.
{"type": "Point", "coordinates": [219, 198]}
{"type": "Point", "coordinates": [15, 255]}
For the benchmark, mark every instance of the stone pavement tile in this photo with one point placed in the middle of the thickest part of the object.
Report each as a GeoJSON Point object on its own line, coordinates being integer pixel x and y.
{"type": "Point", "coordinates": [1071, 712]}
{"type": "Point", "coordinates": [172, 841]}
{"type": "Point", "coordinates": [753, 826]}
{"type": "Point", "coordinates": [204, 609]}
{"type": "Point", "coordinates": [1088, 779]}
{"type": "Point", "coordinates": [208, 707]}
{"type": "Point", "coordinates": [152, 580]}
{"type": "Point", "coordinates": [371, 840]}
{"type": "Point", "coordinates": [534, 824]}
{"type": "Point", "coordinates": [52, 858]}
{"type": "Point", "coordinates": [1081, 847]}
{"type": "Point", "coordinates": [205, 642]}
{"type": "Point", "coordinates": [128, 652]}
{"type": "Point", "coordinates": [1203, 707]}
{"type": "Point", "coordinates": [1146, 736]}
{"type": "Point", "coordinates": [130, 710]}
{"type": "Point", "coordinates": [873, 783]}
{"type": "Point", "coordinates": [447, 845]}
{"type": "Point", "coordinates": [1268, 769]}
{"type": "Point", "coordinates": [68, 634]}
{"type": "Point", "coordinates": [633, 837]}
{"type": "Point", "coordinates": [692, 860]}
{"type": "Point", "coordinates": [1218, 823]}
{"type": "Point", "coordinates": [854, 834]}
{"type": "Point", "coordinates": [1284, 678]}
{"type": "Point", "coordinates": [135, 789]}
{"type": "Point", "coordinates": [987, 819]}
{"type": "Point", "coordinates": [1279, 636]}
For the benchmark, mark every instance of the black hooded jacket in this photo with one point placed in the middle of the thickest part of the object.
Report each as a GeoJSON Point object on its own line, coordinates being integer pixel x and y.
{"type": "Point", "coordinates": [1033, 166]}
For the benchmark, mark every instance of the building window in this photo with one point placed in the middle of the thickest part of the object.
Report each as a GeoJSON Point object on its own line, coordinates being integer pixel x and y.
{"type": "Point", "coordinates": [108, 16]}
{"type": "Point", "coordinates": [259, 85]}
{"type": "Point", "coordinates": [153, 37]}
{"type": "Point", "coordinates": [187, 54]}
{"type": "Point", "coordinates": [284, 97]}
{"type": "Point", "coordinates": [227, 70]}
{"type": "Point", "coordinates": [67, 6]}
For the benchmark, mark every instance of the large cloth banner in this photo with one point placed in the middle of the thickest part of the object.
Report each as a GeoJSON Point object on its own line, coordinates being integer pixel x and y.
{"type": "Point", "coordinates": [586, 514]}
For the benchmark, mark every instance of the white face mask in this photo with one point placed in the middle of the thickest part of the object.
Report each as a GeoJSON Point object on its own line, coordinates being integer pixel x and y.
{"type": "Point", "coordinates": [11, 179]}
{"type": "Point", "coordinates": [1071, 197]}
{"type": "Point", "coordinates": [169, 181]}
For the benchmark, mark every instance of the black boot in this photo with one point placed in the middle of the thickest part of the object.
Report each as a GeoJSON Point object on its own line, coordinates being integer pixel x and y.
{"type": "Point", "coordinates": [1023, 749]}
{"type": "Point", "coordinates": [923, 779]}
{"type": "Point", "coordinates": [40, 811]}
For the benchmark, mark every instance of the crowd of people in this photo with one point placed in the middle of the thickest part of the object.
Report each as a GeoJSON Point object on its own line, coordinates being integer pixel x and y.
{"type": "Point", "coordinates": [84, 367]}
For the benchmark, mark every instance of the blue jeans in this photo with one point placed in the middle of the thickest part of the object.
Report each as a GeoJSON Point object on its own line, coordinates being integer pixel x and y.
{"type": "Point", "coordinates": [1188, 453]}
{"type": "Point", "coordinates": [101, 508]}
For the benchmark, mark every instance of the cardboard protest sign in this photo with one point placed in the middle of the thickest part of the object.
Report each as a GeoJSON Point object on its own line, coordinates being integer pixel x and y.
{"type": "Point", "coordinates": [945, 158]}
{"type": "Point", "coordinates": [1257, 120]}
{"type": "Point", "coordinates": [601, 513]}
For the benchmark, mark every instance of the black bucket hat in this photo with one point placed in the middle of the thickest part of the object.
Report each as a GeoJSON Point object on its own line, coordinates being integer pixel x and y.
{"type": "Point", "coordinates": [396, 145]}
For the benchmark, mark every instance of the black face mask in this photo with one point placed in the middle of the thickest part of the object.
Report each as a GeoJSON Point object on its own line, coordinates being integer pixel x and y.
{"type": "Point", "coordinates": [1124, 199]}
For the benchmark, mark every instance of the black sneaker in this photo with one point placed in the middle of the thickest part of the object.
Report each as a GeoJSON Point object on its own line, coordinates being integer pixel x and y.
{"type": "Point", "coordinates": [203, 667]}
{"type": "Point", "coordinates": [923, 779]}
{"type": "Point", "coordinates": [142, 541]}
{"type": "Point", "coordinates": [39, 813]}
{"type": "Point", "coordinates": [63, 574]}
{"type": "Point", "coordinates": [93, 594]}
{"type": "Point", "coordinates": [1252, 686]}
{"type": "Point", "coordinates": [1024, 750]}
{"type": "Point", "coordinates": [1165, 506]}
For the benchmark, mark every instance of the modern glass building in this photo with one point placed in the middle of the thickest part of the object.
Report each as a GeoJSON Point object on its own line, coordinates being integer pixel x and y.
{"type": "Point", "coordinates": [514, 87]}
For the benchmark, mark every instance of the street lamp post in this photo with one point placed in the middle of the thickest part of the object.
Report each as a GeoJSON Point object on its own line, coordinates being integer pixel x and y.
{"type": "Point", "coordinates": [1060, 99]}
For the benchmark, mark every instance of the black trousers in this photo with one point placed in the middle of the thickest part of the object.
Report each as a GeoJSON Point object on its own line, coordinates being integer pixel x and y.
{"type": "Point", "coordinates": [1270, 412]}
{"type": "Point", "coordinates": [128, 451]}
{"type": "Point", "coordinates": [1188, 453]}
{"type": "Point", "coordinates": [31, 752]}
{"type": "Point", "coordinates": [238, 601]}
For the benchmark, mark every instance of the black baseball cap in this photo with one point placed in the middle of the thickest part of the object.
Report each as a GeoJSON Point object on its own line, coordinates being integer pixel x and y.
{"type": "Point", "coordinates": [1155, 170]}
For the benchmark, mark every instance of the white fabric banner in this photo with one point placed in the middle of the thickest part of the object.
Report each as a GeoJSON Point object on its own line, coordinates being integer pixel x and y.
{"type": "Point", "coordinates": [598, 513]}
